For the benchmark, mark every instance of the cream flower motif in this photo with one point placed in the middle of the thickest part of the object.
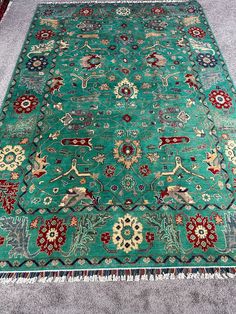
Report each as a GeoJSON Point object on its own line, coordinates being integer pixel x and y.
{"type": "Point", "coordinates": [230, 151]}
{"type": "Point", "coordinates": [123, 11]}
{"type": "Point", "coordinates": [127, 233]}
{"type": "Point", "coordinates": [47, 200]}
{"type": "Point", "coordinates": [126, 89]}
{"type": "Point", "coordinates": [206, 197]}
{"type": "Point", "coordinates": [11, 157]}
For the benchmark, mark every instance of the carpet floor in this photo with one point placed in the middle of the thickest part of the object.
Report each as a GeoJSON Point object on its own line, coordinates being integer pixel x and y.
{"type": "Point", "coordinates": [173, 296]}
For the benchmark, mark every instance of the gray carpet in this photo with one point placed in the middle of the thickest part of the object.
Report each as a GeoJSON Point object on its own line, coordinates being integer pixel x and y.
{"type": "Point", "coordinates": [169, 296]}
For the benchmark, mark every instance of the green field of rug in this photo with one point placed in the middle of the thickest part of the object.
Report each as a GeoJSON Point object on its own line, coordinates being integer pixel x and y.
{"type": "Point", "coordinates": [118, 147]}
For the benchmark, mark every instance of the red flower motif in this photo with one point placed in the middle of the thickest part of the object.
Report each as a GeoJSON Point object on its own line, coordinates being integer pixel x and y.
{"type": "Point", "coordinates": [126, 118]}
{"type": "Point", "coordinates": [125, 71]}
{"type": "Point", "coordinates": [127, 150]}
{"type": "Point", "coordinates": [52, 235]}
{"type": "Point", "coordinates": [109, 171]}
{"type": "Point", "coordinates": [25, 104]}
{"type": "Point", "coordinates": [158, 11]}
{"type": "Point", "coordinates": [150, 237]}
{"type": "Point", "coordinates": [126, 92]}
{"type": "Point", "coordinates": [105, 237]}
{"type": "Point", "coordinates": [220, 99]}
{"type": "Point", "coordinates": [196, 32]}
{"type": "Point", "coordinates": [124, 37]}
{"type": "Point", "coordinates": [86, 11]}
{"type": "Point", "coordinates": [144, 170]}
{"type": "Point", "coordinates": [201, 232]}
{"type": "Point", "coordinates": [44, 34]}
{"type": "Point", "coordinates": [128, 201]}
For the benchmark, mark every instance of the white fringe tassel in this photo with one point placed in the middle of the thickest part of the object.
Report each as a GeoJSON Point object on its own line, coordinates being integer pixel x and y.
{"type": "Point", "coordinates": [112, 1]}
{"type": "Point", "coordinates": [42, 277]}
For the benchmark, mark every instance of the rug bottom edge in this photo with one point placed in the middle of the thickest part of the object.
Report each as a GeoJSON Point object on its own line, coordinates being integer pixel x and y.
{"type": "Point", "coordinates": [117, 275]}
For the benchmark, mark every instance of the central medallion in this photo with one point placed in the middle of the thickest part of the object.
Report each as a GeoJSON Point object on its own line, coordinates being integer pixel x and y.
{"type": "Point", "coordinates": [127, 152]}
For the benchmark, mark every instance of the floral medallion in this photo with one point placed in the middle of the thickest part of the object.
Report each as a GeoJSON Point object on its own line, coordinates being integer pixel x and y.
{"type": "Point", "coordinates": [196, 32]}
{"type": "Point", "coordinates": [201, 232]}
{"type": "Point", "coordinates": [230, 151]}
{"type": "Point", "coordinates": [37, 63]}
{"type": "Point", "coordinates": [127, 152]}
{"type": "Point", "coordinates": [52, 235]}
{"type": "Point", "coordinates": [128, 183]}
{"type": "Point", "coordinates": [127, 233]}
{"type": "Point", "coordinates": [220, 99]}
{"type": "Point", "coordinates": [25, 104]}
{"type": "Point", "coordinates": [11, 157]}
{"type": "Point", "coordinates": [206, 60]}
{"type": "Point", "coordinates": [123, 11]}
{"type": "Point", "coordinates": [44, 34]}
{"type": "Point", "coordinates": [126, 90]}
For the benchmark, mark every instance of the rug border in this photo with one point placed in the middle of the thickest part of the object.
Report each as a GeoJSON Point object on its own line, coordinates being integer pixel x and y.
{"type": "Point", "coordinates": [114, 274]}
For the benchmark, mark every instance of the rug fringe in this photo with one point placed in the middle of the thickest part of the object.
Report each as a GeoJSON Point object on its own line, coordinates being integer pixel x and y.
{"type": "Point", "coordinates": [106, 275]}
{"type": "Point", "coordinates": [112, 1]}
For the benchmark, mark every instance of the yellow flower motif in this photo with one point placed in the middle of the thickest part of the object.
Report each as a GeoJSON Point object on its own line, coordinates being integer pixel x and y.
{"type": "Point", "coordinates": [127, 233]}
{"type": "Point", "coordinates": [11, 157]}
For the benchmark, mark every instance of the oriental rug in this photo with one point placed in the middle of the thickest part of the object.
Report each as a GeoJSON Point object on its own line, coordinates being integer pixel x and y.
{"type": "Point", "coordinates": [118, 147]}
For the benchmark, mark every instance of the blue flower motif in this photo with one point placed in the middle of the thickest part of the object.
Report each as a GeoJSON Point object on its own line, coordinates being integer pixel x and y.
{"type": "Point", "coordinates": [206, 60]}
{"type": "Point", "coordinates": [37, 63]}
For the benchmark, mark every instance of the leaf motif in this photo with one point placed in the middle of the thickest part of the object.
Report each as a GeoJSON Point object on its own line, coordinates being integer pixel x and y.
{"type": "Point", "coordinates": [165, 229]}
{"type": "Point", "coordinates": [17, 237]}
{"type": "Point", "coordinates": [86, 233]}
{"type": "Point", "coordinates": [230, 231]}
{"type": "Point", "coordinates": [41, 48]}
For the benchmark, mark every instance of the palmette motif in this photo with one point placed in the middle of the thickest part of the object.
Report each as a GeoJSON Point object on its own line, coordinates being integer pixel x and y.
{"type": "Point", "coordinates": [120, 149]}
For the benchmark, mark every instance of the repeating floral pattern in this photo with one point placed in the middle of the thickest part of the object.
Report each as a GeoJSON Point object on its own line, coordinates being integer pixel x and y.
{"type": "Point", "coordinates": [118, 144]}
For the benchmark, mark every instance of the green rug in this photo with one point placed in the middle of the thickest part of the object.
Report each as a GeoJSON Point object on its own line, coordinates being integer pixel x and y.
{"type": "Point", "coordinates": [118, 147]}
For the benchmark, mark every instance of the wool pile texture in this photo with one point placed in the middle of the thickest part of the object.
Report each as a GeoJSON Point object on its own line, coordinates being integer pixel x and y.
{"type": "Point", "coordinates": [118, 147]}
